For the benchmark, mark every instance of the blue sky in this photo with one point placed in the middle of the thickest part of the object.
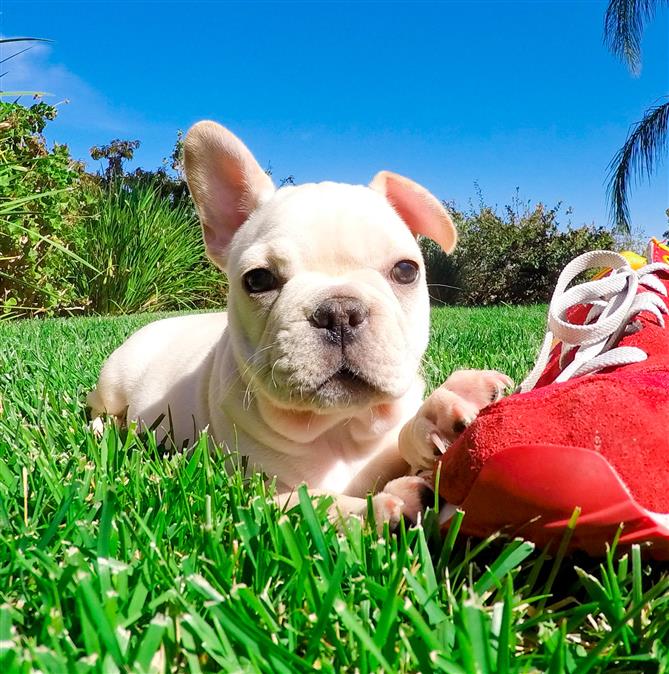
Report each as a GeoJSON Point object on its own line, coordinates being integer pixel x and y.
{"type": "Point", "coordinates": [452, 94]}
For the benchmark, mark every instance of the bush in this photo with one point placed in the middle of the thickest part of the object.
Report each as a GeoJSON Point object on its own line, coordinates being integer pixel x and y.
{"type": "Point", "coordinates": [513, 258]}
{"type": "Point", "coordinates": [72, 242]}
{"type": "Point", "coordinates": [147, 253]}
{"type": "Point", "coordinates": [75, 242]}
{"type": "Point", "coordinates": [40, 199]}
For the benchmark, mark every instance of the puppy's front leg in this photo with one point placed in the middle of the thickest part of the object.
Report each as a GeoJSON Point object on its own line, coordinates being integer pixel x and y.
{"type": "Point", "coordinates": [447, 412]}
{"type": "Point", "coordinates": [389, 506]}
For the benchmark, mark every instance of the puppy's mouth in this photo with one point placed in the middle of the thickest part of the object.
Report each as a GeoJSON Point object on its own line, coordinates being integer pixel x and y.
{"type": "Point", "coordinates": [345, 376]}
{"type": "Point", "coordinates": [340, 387]}
{"type": "Point", "coordinates": [345, 386]}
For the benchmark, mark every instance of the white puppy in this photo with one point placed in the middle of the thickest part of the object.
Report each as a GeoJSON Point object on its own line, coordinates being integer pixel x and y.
{"type": "Point", "coordinates": [313, 370]}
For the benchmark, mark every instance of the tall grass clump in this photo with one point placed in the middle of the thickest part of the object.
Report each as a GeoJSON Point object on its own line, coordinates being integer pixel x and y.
{"type": "Point", "coordinates": [72, 242]}
{"type": "Point", "coordinates": [148, 253]}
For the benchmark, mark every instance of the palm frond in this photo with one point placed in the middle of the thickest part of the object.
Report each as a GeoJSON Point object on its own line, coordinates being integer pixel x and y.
{"type": "Point", "coordinates": [3, 40]}
{"type": "Point", "coordinates": [639, 156]}
{"type": "Point", "coordinates": [15, 54]}
{"type": "Point", "coordinates": [623, 27]}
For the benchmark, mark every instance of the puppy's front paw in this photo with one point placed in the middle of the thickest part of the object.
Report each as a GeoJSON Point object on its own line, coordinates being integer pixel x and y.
{"type": "Point", "coordinates": [440, 419]}
{"type": "Point", "coordinates": [479, 387]}
{"type": "Point", "coordinates": [404, 497]}
{"type": "Point", "coordinates": [417, 494]}
{"type": "Point", "coordinates": [447, 412]}
{"type": "Point", "coordinates": [387, 508]}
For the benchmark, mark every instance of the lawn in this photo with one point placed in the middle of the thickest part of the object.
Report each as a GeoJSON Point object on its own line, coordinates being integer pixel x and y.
{"type": "Point", "coordinates": [116, 558]}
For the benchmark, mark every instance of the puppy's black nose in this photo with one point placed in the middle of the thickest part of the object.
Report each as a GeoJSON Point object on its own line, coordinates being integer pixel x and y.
{"type": "Point", "coordinates": [339, 317]}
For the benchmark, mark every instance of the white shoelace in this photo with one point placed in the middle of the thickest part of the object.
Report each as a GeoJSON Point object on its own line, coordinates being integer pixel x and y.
{"type": "Point", "coordinates": [615, 302]}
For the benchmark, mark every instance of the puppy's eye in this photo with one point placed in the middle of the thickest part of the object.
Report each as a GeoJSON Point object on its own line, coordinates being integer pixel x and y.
{"type": "Point", "coordinates": [260, 281]}
{"type": "Point", "coordinates": [405, 271]}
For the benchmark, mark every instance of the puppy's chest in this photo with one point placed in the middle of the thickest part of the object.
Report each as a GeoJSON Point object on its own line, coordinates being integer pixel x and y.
{"type": "Point", "coordinates": [335, 466]}
{"type": "Point", "coordinates": [337, 474]}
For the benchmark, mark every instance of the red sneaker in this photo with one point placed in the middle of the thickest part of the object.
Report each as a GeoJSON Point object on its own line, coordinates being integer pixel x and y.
{"type": "Point", "coordinates": [589, 426]}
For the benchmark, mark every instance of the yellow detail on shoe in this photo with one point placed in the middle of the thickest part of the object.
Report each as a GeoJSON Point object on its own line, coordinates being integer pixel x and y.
{"type": "Point", "coordinates": [664, 248]}
{"type": "Point", "coordinates": [636, 262]}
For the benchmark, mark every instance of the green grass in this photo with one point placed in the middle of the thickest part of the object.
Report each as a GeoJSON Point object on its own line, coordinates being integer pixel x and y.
{"type": "Point", "coordinates": [144, 253]}
{"type": "Point", "coordinates": [116, 558]}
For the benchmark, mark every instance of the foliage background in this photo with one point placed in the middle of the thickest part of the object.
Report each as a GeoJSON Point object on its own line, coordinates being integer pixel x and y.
{"type": "Point", "coordinates": [508, 257]}
{"type": "Point", "coordinates": [42, 195]}
{"type": "Point", "coordinates": [73, 242]}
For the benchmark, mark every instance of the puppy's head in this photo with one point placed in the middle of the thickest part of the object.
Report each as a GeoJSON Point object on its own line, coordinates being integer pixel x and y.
{"type": "Point", "coordinates": [328, 306]}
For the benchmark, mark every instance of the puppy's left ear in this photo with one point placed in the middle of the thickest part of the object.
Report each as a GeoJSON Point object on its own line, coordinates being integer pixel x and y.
{"type": "Point", "coordinates": [226, 182]}
{"type": "Point", "coordinates": [420, 210]}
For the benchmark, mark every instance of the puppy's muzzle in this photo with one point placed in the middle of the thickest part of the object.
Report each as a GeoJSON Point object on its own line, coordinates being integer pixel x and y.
{"type": "Point", "coordinates": [340, 319]}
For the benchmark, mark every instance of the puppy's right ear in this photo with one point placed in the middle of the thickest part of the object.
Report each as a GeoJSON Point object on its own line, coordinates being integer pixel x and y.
{"type": "Point", "coordinates": [420, 210]}
{"type": "Point", "coordinates": [226, 183]}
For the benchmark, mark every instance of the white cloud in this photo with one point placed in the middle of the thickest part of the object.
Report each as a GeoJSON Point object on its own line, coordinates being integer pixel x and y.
{"type": "Point", "coordinates": [35, 70]}
{"type": "Point", "coordinates": [86, 117]}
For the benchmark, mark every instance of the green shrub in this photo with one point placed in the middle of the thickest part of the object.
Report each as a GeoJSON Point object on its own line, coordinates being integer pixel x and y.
{"type": "Point", "coordinates": [40, 200]}
{"type": "Point", "coordinates": [149, 253]}
{"type": "Point", "coordinates": [72, 242]}
{"type": "Point", "coordinates": [513, 258]}
{"type": "Point", "coordinates": [75, 242]}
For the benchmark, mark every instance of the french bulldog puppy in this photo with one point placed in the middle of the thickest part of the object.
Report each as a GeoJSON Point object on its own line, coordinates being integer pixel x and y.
{"type": "Point", "coordinates": [313, 370]}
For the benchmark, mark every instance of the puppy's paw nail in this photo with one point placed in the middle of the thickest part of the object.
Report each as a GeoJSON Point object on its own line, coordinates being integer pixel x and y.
{"type": "Point", "coordinates": [502, 385]}
{"type": "Point", "coordinates": [497, 393]}
{"type": "Point", "coordinates": [461, 424]}
{"type": "Point", "coordinates": [507, 381]}
{"type": "Point", "coordinates": [440, 446]}
{"type": "Point", "coordinates": [97, 426]}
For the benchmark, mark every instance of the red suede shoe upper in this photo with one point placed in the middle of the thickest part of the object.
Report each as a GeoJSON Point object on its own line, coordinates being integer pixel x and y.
{"type": "Point", "coordinates": [622, 413]}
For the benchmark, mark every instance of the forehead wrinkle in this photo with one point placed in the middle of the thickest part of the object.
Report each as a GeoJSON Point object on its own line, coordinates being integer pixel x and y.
{"type": "Point", "coordinates": [281, 255]}
{"type": "Point", "coordinates": [331, 204]}
{"type": "Point", "coordinates": [331, 226]}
